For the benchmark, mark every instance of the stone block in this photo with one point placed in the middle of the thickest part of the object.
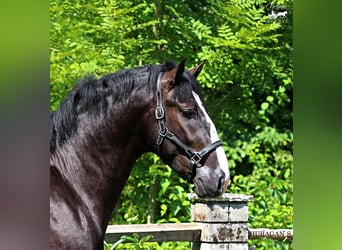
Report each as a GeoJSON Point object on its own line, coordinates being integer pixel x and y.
{"type": "Point", "coordinates": [224, 232]}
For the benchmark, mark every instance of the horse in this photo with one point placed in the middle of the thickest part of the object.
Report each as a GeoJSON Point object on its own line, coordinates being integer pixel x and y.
{"type": "Point", "coordinates": [282, 14]}
{"type": "Point", "coordinates": [104, 125]}
{"type": "Point", "coordinates": [274, 15]}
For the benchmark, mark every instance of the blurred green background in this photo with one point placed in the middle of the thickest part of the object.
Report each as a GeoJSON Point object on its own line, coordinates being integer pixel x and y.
{"type": "Point", "coordinates": [317, 126]}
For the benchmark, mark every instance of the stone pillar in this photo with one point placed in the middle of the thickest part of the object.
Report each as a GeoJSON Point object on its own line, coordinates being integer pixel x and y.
{"type": "Point", "coordinates": [223, 221]}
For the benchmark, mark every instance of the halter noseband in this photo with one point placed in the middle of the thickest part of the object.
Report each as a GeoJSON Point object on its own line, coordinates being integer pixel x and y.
{"type": "Point", "coordinates": [196, 158]}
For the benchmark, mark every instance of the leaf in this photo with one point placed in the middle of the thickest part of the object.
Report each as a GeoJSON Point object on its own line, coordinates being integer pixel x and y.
{"type": "Point", "coordinates": [265, 105]}
{"type": "Point", "coordinates": [165, 183]}
{"type": "Point", "coordinates": [270, 98]}
{"type": "Point", "coordinates": [163, 210]}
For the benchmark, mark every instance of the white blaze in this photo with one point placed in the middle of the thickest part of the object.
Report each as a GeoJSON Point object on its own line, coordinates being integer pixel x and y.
{"type": "Point", "coordinates": [221, 156]}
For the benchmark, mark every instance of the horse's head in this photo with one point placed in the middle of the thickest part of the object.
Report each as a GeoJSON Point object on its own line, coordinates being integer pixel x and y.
{"type": "Point", "coordinates": [186, 138]}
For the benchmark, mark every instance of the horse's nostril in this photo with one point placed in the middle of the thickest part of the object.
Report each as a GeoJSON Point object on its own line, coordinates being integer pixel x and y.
{"type": "Point", "coordinates": [220, 184]}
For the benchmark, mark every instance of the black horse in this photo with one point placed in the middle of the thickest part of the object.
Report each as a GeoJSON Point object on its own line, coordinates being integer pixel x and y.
{"type": "Point", "coordinates": [104, 125]}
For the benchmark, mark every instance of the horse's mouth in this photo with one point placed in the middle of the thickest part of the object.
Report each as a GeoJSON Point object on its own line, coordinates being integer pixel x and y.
{"type": "Point", "coordinates": [203, 191]}
{"type": "Point", "coordinates": [198, 188]}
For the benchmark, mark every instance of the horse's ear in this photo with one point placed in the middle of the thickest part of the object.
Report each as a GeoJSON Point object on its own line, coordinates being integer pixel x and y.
{"type": "Point", "coordinates": [174, 76]}
{"type": "Point", "coordinates": [180, 70]}
{"type": "Point", "coordinates": [196, 70]}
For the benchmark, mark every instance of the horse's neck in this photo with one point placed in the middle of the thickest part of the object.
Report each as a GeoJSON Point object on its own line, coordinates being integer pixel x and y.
{"type": "Point", "coordinates": [96, 164]}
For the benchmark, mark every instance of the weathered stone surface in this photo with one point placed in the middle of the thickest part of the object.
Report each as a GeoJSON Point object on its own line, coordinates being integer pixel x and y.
{"type": "Point", "coordinates": [238, 246]}
{"type": "Point", "coordinates": [221, 246]}
{"type": "Point", "coordinates": [223, 221]}
{"type": "Point", "coordinates": [238, 212]}
{"type": "Point", "coordinates": [203, 212]}
{"type": "Point", "coordinates": [224, 232]}
{"type": "Point", "coordinates": [222, 212]}
{"type": "Point", "coordinates": [226, 197]}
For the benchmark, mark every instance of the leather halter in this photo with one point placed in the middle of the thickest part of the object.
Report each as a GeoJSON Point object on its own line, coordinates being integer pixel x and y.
{"type": "Point", "coordinates": [196, 158]}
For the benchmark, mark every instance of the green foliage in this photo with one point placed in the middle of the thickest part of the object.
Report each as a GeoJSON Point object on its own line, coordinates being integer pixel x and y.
{"type": "Point", "coordinates": [131, 242]}
{"type": "Point", "coordinates": [160, 193]}
{"type": "Point", "coordinates": [247, 82]}
{"type": "Point", "coordinates": [136, 242]}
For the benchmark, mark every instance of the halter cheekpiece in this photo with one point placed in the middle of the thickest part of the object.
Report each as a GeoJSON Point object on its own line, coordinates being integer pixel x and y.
{"type": "Point", "coordinates": [196, 158]}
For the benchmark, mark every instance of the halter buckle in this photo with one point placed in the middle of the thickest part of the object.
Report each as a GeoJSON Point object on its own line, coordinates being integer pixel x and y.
{"type": "Point", "coordinates": [189, 152]}
{"type": "Point", "coordinates": [196, 158]}
{"type": "Point", "coordinates": [161, 136]}
{"type": "Point", "coordinates": [159, 113]}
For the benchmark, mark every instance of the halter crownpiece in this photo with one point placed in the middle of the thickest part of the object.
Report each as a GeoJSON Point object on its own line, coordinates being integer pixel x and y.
{"type": "Point", "coordinates": [196, 158]}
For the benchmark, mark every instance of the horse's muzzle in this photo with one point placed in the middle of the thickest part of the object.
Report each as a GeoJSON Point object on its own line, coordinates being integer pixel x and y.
{"type": "Point", "coordinates": [210, 185]}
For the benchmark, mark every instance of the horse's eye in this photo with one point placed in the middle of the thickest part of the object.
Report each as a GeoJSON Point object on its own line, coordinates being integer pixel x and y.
{"type": "Point", "coordinates": [188, 113]}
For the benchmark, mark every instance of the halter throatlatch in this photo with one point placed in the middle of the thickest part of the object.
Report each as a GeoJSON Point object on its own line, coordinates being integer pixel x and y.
{"type": "Point", "coordinates": [196, 158]}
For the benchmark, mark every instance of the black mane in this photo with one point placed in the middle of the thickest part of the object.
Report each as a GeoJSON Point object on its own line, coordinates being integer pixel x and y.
{"type": "Point", "coordinates": [90, 94]}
